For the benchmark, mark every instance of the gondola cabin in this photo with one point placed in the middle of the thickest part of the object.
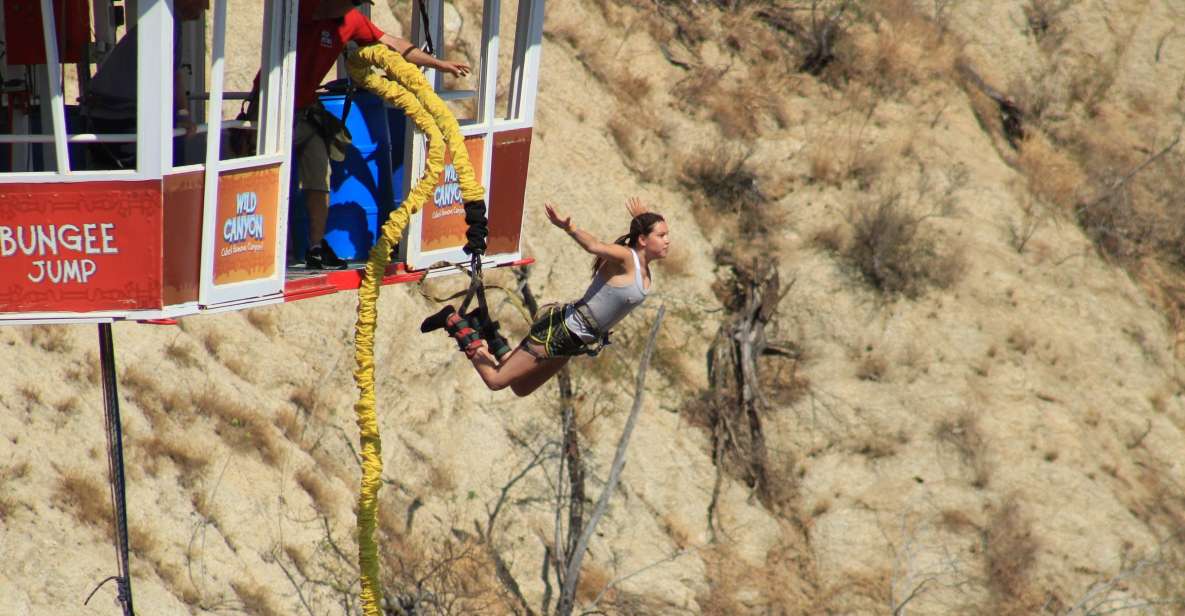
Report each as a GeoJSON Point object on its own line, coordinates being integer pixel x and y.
{"type": "Point", "coordinates": [131, 187]}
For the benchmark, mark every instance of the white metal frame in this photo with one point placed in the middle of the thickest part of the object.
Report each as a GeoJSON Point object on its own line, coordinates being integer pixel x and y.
{"type": "Point", "coordinates": [275, 133]}
{"type": "Point", "coordinates": [521, 107]}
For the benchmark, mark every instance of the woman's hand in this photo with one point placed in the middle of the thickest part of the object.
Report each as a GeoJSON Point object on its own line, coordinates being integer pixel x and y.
{"type": "Point", "coordinates": [456, 69]}
{"type": "Point", "coordinates": [635, 207]}
{"type": "Point", "coordinates": [556, 219]}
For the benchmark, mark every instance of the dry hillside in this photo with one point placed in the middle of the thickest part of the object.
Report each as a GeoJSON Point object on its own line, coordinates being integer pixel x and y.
{"type": "Point", "coordinates": [947, 236]}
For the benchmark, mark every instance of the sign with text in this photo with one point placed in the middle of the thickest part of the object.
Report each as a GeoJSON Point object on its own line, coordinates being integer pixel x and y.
{"type": "Point", "coordinates": [80, 247]}
{"type": "Point", "coordinates": [443, 221]}
{"type": "Point", "coordinates": [245, 233]}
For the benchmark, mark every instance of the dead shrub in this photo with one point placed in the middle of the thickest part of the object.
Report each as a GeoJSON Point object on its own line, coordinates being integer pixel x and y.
{"type": "Point", "coordinates": [1043, 18]}
{"type": "Point", "coordinates": [724, 182]}
{"type": "Point", "coordinates": [894, 254]}
{"type": "Point", "coordinates": [963, 434]}
{"type": "Point", "coordinates": [85, 498]}
{"type": "Point", "coordinates": [1011, 552]}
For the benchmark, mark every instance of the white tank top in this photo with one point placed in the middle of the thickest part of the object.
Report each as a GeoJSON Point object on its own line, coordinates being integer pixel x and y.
{"type": "Point", "coordinates": [607, 304]}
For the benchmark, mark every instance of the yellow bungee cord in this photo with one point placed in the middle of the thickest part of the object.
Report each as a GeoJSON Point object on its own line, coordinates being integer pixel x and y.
{"type": "Point", "coordinates": [406, 88]}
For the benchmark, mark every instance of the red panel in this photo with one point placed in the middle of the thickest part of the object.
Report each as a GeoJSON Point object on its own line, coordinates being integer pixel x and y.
{"type": "Point", "coordinates": [183, 226]}
{"type": "Point", "coordinates": [22, 30]}
{"type": "Point", "coordinates": [80, 247]}
{"type": "Point", "coordinates": [508, 186]}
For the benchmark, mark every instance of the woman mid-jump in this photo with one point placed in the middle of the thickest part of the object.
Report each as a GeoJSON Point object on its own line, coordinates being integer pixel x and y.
{"type": "Point", "coordinates": [621, 281]}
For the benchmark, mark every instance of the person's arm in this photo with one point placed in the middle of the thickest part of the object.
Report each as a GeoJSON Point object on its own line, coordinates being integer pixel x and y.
{"type": "Point", "coordinates": [418, 57]}
{"type": "Point", "coordinates": [587, 241]}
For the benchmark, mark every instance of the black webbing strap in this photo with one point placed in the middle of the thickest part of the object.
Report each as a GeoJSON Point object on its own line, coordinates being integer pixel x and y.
{"type": "Point", "coordinates": [429, 48]}
{"type": "Point", "coordinates": [115, 468]}
{"type": "Point", "coordinates": [476, 288]}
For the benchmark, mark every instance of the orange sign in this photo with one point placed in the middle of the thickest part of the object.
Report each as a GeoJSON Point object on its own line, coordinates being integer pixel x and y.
{"type": "Point", "coordinates": [245, 234]}
{"type": "Point", "coordinates": [443, 223]}
{"type": "Point", "coordinates": [80, 247]}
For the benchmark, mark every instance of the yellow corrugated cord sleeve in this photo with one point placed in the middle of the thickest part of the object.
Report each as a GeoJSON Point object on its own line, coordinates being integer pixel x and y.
{"type": "Point", "coordinates": [413, 105]}
{"type": "Point", "coordinates": [409, 76]}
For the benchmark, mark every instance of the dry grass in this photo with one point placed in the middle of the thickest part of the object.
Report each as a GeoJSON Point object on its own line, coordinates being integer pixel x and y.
{"type": "Point", "coordinates": [253, 596]}
{"type": "Point", "coordinates": [831, 238]}
{"type": "Point", "coordinates": [189, 459]}
{"type": "Point", "coordinates": [593, 579]}
{"type": "Point", "coordinates": [181, 353]}
{"type": "Point", "coordinates": [625, 135]}
{"type": "Point", "coordinates": [266, 320]}
{"type": "Point", "coordinates": [85, 371]}
{"type": "Point", "coordinates": [214, 339]}
{"type": "Point", "coordinates": [321, 493]}
{"type": "Point", "coordinates": [142, 541]}
{"type": "Point", "coordinates": [160, 405]}
{"type": "Point", "coordinates": [964, 436]}
{"type": "Point", "coordinates": [872, 367]}
{"type": "Point", "coordinates": [240, 427]}
{"type": "Point", "coordinates": [86, 498]}
{"type": "Point", "coordinates": [30, 396]}
{"type": "Point", "coordinates": [242, 368]}
{"type": "Point", "coordinates": [9, 474]}
{"type": "Point", "coordinates": [1020, 341]}
{"type": "Point", "coordinates": [309, 400]}
{"type": "Point", "coordinates": [1055, 177]}
{"type": "Point", "coordinates": [441, 479]}
{"type": "Point", "coordinates": [51, 338]}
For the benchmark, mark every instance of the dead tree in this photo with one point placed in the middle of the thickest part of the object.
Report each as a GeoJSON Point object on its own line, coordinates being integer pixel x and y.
{"type": "Point", "coordinates": [572, 540]}
{"type": "Point", "coordinates": [562, 560]}
{"type": "Point", "coordinates": [1012, 116]}
{"type": "Point", "coordinates": [735, 402]}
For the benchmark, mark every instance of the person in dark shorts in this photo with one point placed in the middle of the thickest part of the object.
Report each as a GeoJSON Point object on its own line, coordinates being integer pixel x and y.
{"type": "Point", "coordinates": [621, 281]}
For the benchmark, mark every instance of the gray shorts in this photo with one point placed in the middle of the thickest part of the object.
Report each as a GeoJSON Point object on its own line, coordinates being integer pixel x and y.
{"type": "Point", "coordinates": [312, 160]}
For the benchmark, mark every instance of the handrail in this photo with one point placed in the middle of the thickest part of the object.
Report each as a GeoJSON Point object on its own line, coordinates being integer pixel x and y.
{"type": "Point", "coordinates": [115, 137]}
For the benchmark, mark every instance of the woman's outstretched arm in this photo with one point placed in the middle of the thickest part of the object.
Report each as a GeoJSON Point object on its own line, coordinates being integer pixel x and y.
{"type": "Point", "coordinates": [587, 241]}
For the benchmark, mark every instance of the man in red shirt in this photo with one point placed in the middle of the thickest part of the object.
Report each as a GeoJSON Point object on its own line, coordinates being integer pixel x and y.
{"type": "Point", "coordinates": [324, 28]}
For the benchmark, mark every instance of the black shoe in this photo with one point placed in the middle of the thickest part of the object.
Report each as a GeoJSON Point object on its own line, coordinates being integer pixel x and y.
{"type": "Point", "coordinates": [438, 320]}
{"type": "Point", "coordinates": [323, 257]}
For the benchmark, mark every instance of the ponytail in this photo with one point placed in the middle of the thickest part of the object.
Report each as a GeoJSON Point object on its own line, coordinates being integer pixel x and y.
{"type": "Point", "coordinates": [640, 225]}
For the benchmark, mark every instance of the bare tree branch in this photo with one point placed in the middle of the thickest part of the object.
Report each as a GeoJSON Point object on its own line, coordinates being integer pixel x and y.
{"type": "Point", "coordinates": [572, 576]}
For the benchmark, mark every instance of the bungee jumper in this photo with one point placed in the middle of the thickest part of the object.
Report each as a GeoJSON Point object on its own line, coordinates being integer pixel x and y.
{"type": "Point", "coordinates": [621, 282]}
